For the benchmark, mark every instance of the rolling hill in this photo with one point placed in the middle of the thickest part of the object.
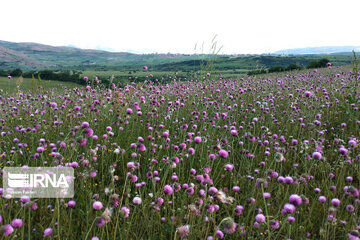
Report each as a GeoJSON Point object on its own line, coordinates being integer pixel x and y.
{"type": "Point", "coordinates": [34, 56]}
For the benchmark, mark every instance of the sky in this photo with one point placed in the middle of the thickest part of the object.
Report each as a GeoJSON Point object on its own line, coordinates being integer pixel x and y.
{"type": "Point", "coordinates": [176, 26]}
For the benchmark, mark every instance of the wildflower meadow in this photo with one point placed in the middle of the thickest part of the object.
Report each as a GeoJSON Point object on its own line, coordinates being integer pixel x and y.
{"type": "Point", "coordinates": [263, 157]}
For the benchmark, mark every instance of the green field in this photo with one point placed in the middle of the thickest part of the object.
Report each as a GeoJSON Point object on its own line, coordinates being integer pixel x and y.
{"type": "Point", "coordinates": [10, 85]}
{"type": "Point", "coordinates": [129, 76]}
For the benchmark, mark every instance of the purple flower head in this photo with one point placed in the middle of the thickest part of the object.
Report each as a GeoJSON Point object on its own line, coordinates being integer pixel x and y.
{"type": "Point", "coordinates": [289, 208]}
{"type": "Point", "coordinates": [335, 202]}
{"type": "Point", "coordinates": [274, 224]}
{"type": "Point", "coordinates": [260, 218]}
{"type": "Point", "coordinates": [17, 223]}
{"type": "Point", "coordinates": [223, 153]}
{"type": "Point", "coordinates": [307, 94]}
{"type": "Point", "coordinates": [129, 111]}
{"type": "Point", "coordinates": [317, 155]}
{"type": "Point", "coordinates": [89, 132]}
{"type": "Point", "coordinates": [6, 229]}
{"type": "Point", "coordinates": [97, 205]}
{"type": "Point", "coordinates": [322, 199]}
{"type": "Point", "coordinates": [212, 157]}
{"type": "Point", "coordinates": [48, 232]}
{"type": "Point", "coordinates": [220, 234]}
{"type": "Point", "coordinates": [229, 167]}
{"type": "Point", "coordinates": [291, 219]}
{"type": "Point", "coordinates": [295, 199]}
{"type": "Point", "coordinates": [71, 203]}
{"type": "Point", "coordinates": [168, 189]}
{"type": "Point", "coordinates": [84, 125]}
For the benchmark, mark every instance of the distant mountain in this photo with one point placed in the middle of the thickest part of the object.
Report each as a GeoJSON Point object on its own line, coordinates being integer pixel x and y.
{"type": "Point", "coordinates": [34, 56]}
{"type": "Point", "coordinates": [319, 50]}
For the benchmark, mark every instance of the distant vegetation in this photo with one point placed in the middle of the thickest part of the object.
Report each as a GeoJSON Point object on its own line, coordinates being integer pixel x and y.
{"type": "Point", "coordinates": [72, 64]}
{"type": "Point", "coordinates": [313, 64]}
{"type": "Point", "coordinates": [66, 76]}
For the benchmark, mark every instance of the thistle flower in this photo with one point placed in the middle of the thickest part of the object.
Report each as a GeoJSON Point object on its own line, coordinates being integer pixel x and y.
{"type": "Point", "coordinates": [137, 200]}
{"type": "Point", "coordinates": [129, 111]}
{"type": "Point", "coordinates": [289, 208]}
{"type": "Point", "coordinates": [97, 205]}
{"type": "Point", "coordinates": [71, 203]}
{"type": "Point", "coordinates": [48, 231]}
{"type": "Point", "coordinates": [84, 125]}
{"type": "Point", "coordinates": [126, 212]}
{"type": "Point", "coordinates": [295, 199]}
{"type": "Point", "coordinates": [354, 235]}
{"type": "Point", "coordinates": [168, 189]}
{"type": "Point", "coordinates": [335, 202]}
{"type": "Point", "coordinates": [223, 153]}
{"type": "Point", "coordinates": [17, 223]}
{"type": "Point", "coordinates": [24, 199]}
{"type": "Point", "coordinates": [197, 139]}
{"type": "Point", "coordinates": [260, 218]}
{"type": "Point", "coordinates": [274, 224]}
{"type": "Point", "coordinates": [6, 230]}
{"type": "Point", "coordinates": [238, 210]}
{"type": "Point", "coordinates": [219, 234]}
{"type": "Point", "coordinates": [317, 155]}
{"type": "Point", "coordinates": [307, 94]}
{"type": "Point", "coordinates": [229, 167]}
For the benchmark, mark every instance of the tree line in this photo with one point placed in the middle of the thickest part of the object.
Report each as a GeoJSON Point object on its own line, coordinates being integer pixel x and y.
{"type": "Point", "coordinates": [64, 76]}
{"type": "Point", "coordinates": [313, 64]}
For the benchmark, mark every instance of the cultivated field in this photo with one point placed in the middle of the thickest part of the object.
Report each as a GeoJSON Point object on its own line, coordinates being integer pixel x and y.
{"type": "Point", "coordinates": [269, 157]}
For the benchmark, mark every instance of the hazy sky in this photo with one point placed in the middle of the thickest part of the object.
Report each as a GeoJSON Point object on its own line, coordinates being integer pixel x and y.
{"type": "Point", "coordinates": [253, 26]}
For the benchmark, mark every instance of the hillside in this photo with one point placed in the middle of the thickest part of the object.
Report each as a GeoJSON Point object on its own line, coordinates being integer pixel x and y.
{"type": "Point", "coordinates": [256, 62]}
{"type": "Point", "coordinates": [35, 56]}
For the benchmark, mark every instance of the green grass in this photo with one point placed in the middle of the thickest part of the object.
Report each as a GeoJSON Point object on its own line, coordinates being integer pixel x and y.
{"type": "Point", "coordinates": [10, 86]}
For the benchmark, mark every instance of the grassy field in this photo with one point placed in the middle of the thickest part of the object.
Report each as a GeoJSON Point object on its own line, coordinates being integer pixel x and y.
{"type": "Point", "coordinates": [129, 76]}
{"type": "Point", "coordinates": [10, 85]}
{"type": "Point", "coordinates": [268, 157]}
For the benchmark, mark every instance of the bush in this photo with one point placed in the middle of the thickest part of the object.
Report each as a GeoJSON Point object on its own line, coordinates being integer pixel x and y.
{"type": "Point", "coordinates": [318, 64]}
{"type": "Point", "coordinates": [256, 72]}
{"type": "Point", "coordinates": [277, 69]}
{"type": "Point", "coordinates": [292, 67]}
{"type": "Point", "coordinates": [16, 72]}
{"type": "Point", "coordinates": [3, 73]}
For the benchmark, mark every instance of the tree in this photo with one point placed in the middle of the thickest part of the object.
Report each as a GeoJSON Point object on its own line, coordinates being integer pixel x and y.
{"type": "Point", "coordinates": [16, 72]}
{"type": "Point", "coordinates": [3, 73]}
{"type": "Point", "coordinates": [276, 69]}
{"type": "Point", "coordinates": [293, 67]}
{"type": "Point", "coordinates": [323, 62]}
